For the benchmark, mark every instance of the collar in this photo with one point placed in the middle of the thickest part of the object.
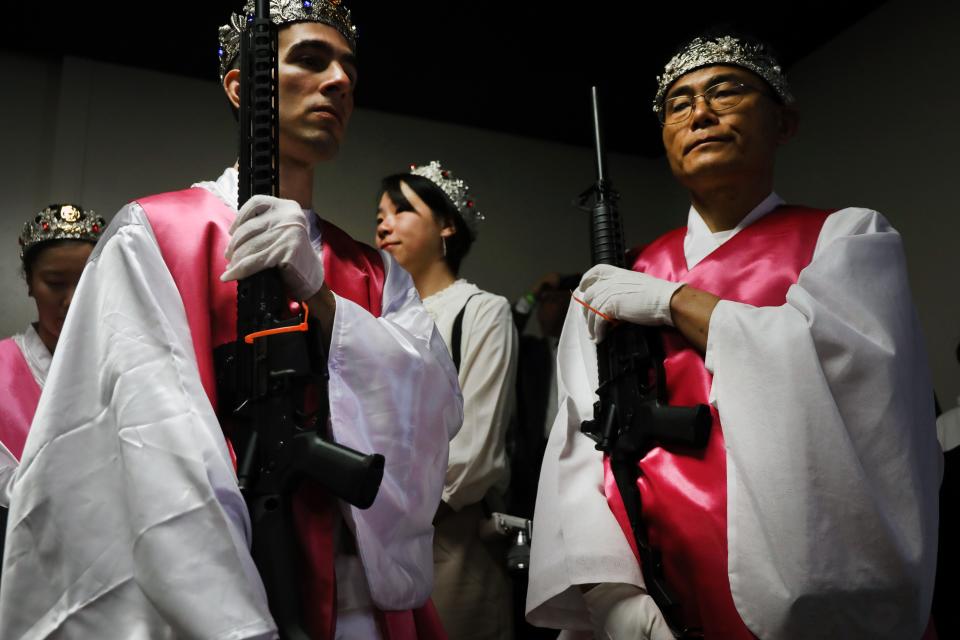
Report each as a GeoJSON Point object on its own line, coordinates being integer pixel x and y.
{"type": "Point", "coordinates": [35, 353]}
{"type": "Point", "coordinates": [701, 242]}
{"type": "Point", "coordinates": [227, 188]}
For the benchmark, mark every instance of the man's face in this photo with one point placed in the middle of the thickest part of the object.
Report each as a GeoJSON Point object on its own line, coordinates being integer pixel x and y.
{"type": "Point", "coordinates": [318, 75]}
{"type": "Point", "coordinates": [712, 148]}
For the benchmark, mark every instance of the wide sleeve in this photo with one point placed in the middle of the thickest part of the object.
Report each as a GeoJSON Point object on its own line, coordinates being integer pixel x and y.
{"type": "Point", "coordinates": [833, 465]}
{"type": "Point", "coordinates": [488, 371]}
{"type": "Point", "coordinates": [8, 467]}
{"type": "Point", "coordinates": [576, 539]}
{"type": "Point", "coordinates": [393, 390]}
{"type": "Point", "coordinates": [125, 516]}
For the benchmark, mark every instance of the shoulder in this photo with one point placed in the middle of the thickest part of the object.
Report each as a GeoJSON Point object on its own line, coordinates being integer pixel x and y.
{"type": "Point", "coordinates": [867, 226]}
{"type": "Point", "coordinates": [490, 308]}
{"type": "Point", "coordinates": [8, 345]}
{"type": "Point", "coordinates": [856, 221]}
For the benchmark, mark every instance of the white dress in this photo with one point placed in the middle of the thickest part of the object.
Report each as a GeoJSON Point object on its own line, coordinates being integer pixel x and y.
{"type": "Point", "coordinates": [803, 389]}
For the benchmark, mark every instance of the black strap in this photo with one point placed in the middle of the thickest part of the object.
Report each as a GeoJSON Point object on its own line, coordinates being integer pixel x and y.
{"type": "Point", "coordinates": [457, 334]}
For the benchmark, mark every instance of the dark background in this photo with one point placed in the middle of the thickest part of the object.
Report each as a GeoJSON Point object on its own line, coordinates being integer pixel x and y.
{"type": "Point", "coordinates": [515, 67]}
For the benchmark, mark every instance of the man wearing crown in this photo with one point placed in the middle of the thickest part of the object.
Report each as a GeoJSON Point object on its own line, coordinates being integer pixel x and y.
{"type": "Point", "coordinates": [812, 511]}
{"type": "Point", "coordinates": [126, 520]}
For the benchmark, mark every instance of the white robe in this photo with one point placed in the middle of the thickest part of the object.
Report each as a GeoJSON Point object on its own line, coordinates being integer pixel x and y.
{"type": "Point", "coordinates": [832, 460]}
{"type": "Point", "coordinates": [126, 520]}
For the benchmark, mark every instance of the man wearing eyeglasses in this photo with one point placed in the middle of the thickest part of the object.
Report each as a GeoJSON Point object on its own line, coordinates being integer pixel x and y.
{"type": "Point", "coordinates": [812, 511]}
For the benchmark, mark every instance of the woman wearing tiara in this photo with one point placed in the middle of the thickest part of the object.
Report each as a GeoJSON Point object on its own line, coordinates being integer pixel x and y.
{"type": "Point", "coordinates": [54, 247]}
{"type": "Point", "coordinates": [427, 221]}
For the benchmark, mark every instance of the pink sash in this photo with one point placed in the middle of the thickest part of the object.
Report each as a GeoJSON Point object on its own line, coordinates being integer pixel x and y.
{"type": "Point", "coordinates": [684, 493]}
{"type": "Point", "coordinates": [20, 393]}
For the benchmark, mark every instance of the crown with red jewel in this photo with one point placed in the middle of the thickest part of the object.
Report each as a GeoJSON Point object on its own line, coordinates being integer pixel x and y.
{"type": "Point", "coordinates": [456, 189]}
{"type": "Point", "coordinates": [329, 12]}
{"type": "Point", "coordinates": [61, 222]}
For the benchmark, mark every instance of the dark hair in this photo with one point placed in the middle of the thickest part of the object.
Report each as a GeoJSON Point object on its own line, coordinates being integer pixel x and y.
{"type": "Point", "coordinates": [458, 245]}
{"type": "Point", "coordinates": [30, 255]}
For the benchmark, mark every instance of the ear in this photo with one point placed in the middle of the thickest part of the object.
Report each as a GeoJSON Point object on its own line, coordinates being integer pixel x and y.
{"type": "Point", "coordinates": [231, 86]}
{"type": "Point", "coordinates": [789, 124]}
{"type": "Point", "coordinates": [448, 228]}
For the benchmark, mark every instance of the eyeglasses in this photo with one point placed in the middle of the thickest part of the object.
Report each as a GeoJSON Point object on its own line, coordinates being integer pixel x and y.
{"type": "Point", "coordinates": [719, 97]}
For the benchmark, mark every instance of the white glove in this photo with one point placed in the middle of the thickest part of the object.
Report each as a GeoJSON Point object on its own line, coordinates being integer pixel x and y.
{"type": "Point", "coordinates": [272, 232]}
{"type": "Point", "coordinates": [625, 295]}
{"type": "Point", "coordinates": [625, 612]}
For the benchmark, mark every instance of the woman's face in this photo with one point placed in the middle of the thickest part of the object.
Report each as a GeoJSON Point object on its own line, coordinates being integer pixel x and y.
{"type": "Point", "coordinates": [52, 281]}
{"type": "Point", "coordinates": [412, 234]}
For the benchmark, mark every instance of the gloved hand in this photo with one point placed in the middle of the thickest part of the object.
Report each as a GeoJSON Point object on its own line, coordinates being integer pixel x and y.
{"type": "Point", "coordinates": [625, 295]}
{"type": "Point", "coordinates": [625, 612]}
{"type": "Point", "coordinates": [272, 232]}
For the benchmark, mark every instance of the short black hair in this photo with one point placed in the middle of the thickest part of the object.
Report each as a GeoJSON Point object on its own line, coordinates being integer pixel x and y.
{"type": "Point", "coordinates": [458, 245]}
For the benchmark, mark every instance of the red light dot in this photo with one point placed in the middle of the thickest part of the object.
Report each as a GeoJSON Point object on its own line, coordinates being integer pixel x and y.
{"type": "Point", "coordinates": [294, 307]}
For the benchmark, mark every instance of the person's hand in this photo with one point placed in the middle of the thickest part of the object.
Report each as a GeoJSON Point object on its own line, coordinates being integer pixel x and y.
{"type": "Point", "coordinates": [621, 294]}
{"type": "Point", "coordinates": [272, 232]}
{"type": "Point", "coordinates": [625, 612]}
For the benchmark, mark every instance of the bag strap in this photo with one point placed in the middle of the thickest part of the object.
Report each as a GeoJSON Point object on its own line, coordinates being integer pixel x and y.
{"type": "Point", "coordinates": [457, 335]}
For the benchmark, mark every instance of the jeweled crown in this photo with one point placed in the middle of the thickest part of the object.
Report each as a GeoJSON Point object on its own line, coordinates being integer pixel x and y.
{"type": "Point", "coordinates": [456, 189]}
{"type": "Point", "coordinates": [330, 12]}
{"type": "Point", "coordinates": [61, 222]}
{"type": "Point", "coordinates": [705, 52]}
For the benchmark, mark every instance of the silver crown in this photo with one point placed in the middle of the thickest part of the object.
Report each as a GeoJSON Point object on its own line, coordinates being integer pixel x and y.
{"type": "Point", "coordinates": [61, 222]}
{"type": "Point", "coordinates": [701, 52]}
{"type": "Point", "coordinates": [330, 12]}
{"type": "Point", "coordinates": [456, 189]}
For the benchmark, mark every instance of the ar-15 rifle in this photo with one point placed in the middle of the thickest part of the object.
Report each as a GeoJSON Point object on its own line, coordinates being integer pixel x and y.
{"type": "Point", "coordinates": [631, 415]}
{"type": "Point", "coordinates": [276, 360]}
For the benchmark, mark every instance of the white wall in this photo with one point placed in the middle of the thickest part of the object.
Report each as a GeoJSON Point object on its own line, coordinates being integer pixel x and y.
{"type": "Point", "coordinates": [878, 129]}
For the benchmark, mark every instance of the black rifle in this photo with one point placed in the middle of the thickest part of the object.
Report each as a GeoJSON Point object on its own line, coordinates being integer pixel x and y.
{"type": "Point", "coordinates": [632, 415]}
{"type": "Point", "coordinates": [271, 374]}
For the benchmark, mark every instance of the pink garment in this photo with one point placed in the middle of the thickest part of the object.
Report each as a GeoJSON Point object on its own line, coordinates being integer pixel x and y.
{"type": "Point", "coordinates": [20, 393]}
{"type": "Point", "coordinates": [684, 492]}
{"type": "Point", "coordinates": [192, 231]}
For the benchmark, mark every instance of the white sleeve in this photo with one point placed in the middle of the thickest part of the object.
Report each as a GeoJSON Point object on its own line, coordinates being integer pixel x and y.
{"type": "Point", "coordinates": [832, 459]}
{"type": "Point", "coordinates": [488, 369]}
{"type": "Point", "coordinates": [393, 390]}
{"type": "Point", "coordinates": [8, 467]}
{"type": "Point", "coordinates": [576, 539]}
{"type": "Point", "coordinates": [125, 516]}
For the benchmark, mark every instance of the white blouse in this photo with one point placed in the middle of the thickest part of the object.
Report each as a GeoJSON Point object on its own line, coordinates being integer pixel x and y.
{"type": "Point", "coordinates": [488, 369]}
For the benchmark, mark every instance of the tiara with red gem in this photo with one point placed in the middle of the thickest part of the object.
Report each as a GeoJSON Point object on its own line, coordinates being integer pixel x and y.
{"type": "Point", "coordinates": [456, 189]}
{"type": "Point", "coordinates": [61, 222]}
{"type": "Point", "coordinates": [330, 12]}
